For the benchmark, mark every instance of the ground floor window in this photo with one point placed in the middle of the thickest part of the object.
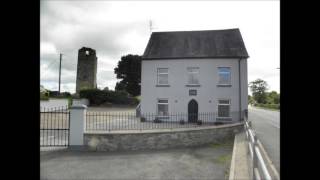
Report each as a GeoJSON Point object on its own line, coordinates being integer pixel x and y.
{"type": "Point", "coordinates": [162, 107]}
{"type": "Point", "coordinates": [223, 108]}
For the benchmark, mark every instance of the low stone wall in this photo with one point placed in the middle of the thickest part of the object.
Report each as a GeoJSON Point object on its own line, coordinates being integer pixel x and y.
{"type": "Point", "coordinates": [160, 138]}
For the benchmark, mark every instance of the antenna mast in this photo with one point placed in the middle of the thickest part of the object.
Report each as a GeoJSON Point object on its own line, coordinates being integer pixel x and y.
{"type": "Point", "coordinates": [150, 26]}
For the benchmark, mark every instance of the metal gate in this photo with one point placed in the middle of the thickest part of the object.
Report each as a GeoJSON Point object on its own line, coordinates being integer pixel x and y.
{"type": "Point", "coordinates": [54, 126]}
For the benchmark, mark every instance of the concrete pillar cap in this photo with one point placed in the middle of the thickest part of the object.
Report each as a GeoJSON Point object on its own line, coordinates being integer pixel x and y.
{"type": "Point", "coordinates": [79, 106]}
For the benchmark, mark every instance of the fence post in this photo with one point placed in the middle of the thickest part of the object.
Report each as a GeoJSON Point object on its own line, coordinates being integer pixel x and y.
{"type": "Point", "coordinates": [254, 156]}
{"type": "Point", "coordinates": [77, 125]}
{"type": "Point", "coordinates": [246, 113]}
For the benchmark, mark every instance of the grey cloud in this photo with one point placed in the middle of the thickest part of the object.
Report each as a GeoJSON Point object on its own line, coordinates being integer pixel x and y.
{"type": "Point", "coordinates": [62, 26]}
{"type": "Point", "coordinates": [53, 76]}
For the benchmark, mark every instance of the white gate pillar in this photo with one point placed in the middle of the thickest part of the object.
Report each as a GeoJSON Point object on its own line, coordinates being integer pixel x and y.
{"type": "Point", "coordinates": [77, 125]}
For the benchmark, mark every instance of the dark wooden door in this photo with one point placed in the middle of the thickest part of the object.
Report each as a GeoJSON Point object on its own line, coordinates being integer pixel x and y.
{"type": "Point", "coordinates": [193, 111]}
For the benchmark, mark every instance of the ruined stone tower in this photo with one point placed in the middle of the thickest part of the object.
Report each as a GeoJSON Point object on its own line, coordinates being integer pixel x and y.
{"type": "Point", "coordinates": [86, 69]}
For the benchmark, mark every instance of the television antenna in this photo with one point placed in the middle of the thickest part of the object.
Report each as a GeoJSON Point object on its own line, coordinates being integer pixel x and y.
{"type": "Point", "coordinates": [151, 27]}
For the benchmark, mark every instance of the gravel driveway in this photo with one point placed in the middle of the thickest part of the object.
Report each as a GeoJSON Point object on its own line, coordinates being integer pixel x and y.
{"type": "Point", "coordinates": [208, 162]}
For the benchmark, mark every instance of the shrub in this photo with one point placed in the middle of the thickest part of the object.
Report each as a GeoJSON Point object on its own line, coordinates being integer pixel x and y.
{"type": "Point", "coordinates": [270, 106]}
{"type": "Point", "coordinates": [142, 119]}
{"type": "Point", "coordinates": [181, 121]}
{"type": "Point", "coordinates": [157, 120]}
{"type": "Point", "coordinates": [70, 101]}
{"type": "Point", "coordinates": [56, 94]}
{"type": "Point", "coordinates": [65, 94]}
{"type": "Point", "coordinates": [117, 97]}
{"type": "Point", "coordinates": [199, 122]}
{"type": "Point", "coordinates": [95, 96]}
{"type": "Point", "coordinates": [102, 97]}
{"type": "Point", "coordinates": [43, 97]}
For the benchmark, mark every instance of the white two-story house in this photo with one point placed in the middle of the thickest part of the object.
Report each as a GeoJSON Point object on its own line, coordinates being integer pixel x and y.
{"type": "Point", "coordinates": [194, 72]}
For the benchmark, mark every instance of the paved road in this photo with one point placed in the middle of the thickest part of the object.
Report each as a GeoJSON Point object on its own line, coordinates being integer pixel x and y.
{"type": "Point", "coordinates": [267, 126]}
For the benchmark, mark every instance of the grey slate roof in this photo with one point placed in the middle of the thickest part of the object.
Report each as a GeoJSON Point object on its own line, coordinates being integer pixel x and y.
{"type": "Point", "coordinates": [226, 43]}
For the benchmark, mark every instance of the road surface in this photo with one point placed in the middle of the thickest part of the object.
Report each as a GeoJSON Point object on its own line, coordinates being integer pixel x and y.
{"type": "Point", "coordinates": [266, 123]}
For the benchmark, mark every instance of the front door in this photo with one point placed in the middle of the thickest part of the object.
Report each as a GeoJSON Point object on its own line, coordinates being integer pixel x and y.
{"type": "Point", "coordinates": [193, 111]}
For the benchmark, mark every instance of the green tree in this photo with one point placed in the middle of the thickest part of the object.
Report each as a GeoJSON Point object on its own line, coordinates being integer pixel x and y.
{"type": "Point", "coordinates": [250, 99]}
{"type": "Point", "coordinates": [120, 86]}
{"type": "Point", "coordinates": [129, 70]}
{"type": "Point", "coordinates": [106, 88]}
{"type": "Point", "coordinates": [277, 99]}
{"type": "Point", "coordinates": [258, 89]}
{"type": "Point", "coordinates": [273, 97]}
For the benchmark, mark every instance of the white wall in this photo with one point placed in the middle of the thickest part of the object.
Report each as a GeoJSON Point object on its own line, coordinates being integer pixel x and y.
{"type": "Point", "coordinates": [80, 101]}
{"type": "Point", "coordinates": [54, 103]}
{"type": "Point", "coordinates": [208, 91]}
{"type": "Point", "coordinates": [244, 84]}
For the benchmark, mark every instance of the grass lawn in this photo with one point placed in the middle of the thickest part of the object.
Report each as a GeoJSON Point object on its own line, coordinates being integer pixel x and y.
{"type": "Point", "coordinates": [272, 109]}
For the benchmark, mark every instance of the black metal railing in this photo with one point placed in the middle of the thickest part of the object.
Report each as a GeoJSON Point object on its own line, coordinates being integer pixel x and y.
{"type": "Point", "coordinates": [54, 126]}
{"type": "Point", "coordinates": [115, 121]}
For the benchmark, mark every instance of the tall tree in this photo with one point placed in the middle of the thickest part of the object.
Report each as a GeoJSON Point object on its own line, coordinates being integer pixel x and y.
{"type": "Point", "coordinates": [258, 89]}
{"type": "Point", "coordinates": [129, 70]}
{"type": "Point", "coordinates": [273, 98]}
{"type": "Point", "coordinates": [120, 86]}
{"type": "Point", "coordinates": [250, 99]}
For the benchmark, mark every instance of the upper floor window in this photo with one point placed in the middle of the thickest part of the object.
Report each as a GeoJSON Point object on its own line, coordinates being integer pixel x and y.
{"type": "Point", "coordinates": [162, 74]}
{"type": "Point", "coordinates": [193, 75]}
{"type": "Point", "coordinates": [224, 75]}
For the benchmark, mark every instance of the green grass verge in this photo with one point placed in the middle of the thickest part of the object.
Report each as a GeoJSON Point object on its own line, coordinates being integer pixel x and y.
{"type": "Point", "coordinates": [228, 144]}
{"type": "Point", "coordinates": [224, 159]}
{"type": "Point", "coordinates": [272, 109]}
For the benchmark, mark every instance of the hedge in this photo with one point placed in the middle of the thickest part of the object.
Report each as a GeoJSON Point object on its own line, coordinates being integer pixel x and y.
{"type": "Point", "coordinates": [43, 97]}
{"type": "Point", "coordinates": [271, 106]}
{"type": "Point", "coordinates": [100, 97]}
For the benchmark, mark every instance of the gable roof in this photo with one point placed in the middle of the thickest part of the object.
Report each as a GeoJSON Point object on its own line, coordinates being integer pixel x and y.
{"type": "Point", "coordinates": [226, 43]}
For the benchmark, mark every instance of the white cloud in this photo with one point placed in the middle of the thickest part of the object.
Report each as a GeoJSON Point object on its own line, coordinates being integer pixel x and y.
{"type": "Point", "coordinates": [47, 48]}
{"type": "Point", "coordinates": [115, 29]}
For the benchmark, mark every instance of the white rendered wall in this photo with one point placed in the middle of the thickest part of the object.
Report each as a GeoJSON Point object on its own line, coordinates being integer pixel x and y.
{"type": "Point", "coordinates": [178, 94]}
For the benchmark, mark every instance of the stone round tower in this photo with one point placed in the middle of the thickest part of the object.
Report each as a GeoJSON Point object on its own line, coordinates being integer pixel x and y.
{"type": "Point", "coordinates": [86, 69]}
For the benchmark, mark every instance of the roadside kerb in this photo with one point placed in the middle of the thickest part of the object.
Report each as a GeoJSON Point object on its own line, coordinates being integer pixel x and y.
{"type": "Point", "coordinates": [239, 168]}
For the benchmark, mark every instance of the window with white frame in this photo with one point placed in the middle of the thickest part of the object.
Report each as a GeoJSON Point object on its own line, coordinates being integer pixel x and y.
{"type": "Point", "coordinates": [162, 74]}
{"type": "Point", "coordinates": [223, 108]}
{"type": "Point", "coordinates": [193, 75]}
{"type": "Point", "coordinates": [163, 107]}
{"type": "Point", "coordinates": [224, 75]}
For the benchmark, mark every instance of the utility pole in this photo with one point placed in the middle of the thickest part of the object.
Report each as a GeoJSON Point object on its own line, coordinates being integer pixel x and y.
{"type": "Point", "coordinates": [60, 72]}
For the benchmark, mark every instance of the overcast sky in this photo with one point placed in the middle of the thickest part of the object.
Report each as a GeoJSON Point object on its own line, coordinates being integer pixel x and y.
{"type": "Point", "coordinates": [119, 28]}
